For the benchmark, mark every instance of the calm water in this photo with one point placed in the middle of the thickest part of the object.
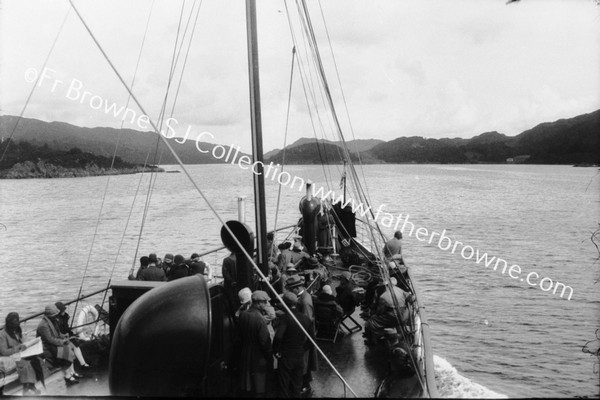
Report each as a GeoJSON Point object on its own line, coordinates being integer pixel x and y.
{"type": "Point", "coordinates": [492, 335]}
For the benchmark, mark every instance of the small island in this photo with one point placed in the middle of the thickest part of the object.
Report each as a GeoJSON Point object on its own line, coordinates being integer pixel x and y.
{"type": "Point", "coordinates": [25, 160]}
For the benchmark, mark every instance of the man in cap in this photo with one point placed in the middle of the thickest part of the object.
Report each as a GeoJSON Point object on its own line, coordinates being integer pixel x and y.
{"type": "Point", "coordinates": [197, 266]}
{"type": "Point", "coordinates": [385, 315]}
{"type": "Point", "coordinates": [167, 263]}
{"type": "Point", "coordinates": [297, 252]}
{"type": "Point", "coordinates": [392, 249]}
{"type": "Point", "coordinates": [295, 284]}
{"type": "Point", "coordinates": [256, 352]}
{"type": "Point", "coordinates": [179, 270]}
{"type": "Point", "coordinates": [289, 345]}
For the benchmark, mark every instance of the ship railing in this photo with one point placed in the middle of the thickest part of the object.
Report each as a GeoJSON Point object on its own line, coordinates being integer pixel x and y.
{"type": "Point", "coordinates": [29, 323]}
{"type": "Point", "coordinates": [421, 331]}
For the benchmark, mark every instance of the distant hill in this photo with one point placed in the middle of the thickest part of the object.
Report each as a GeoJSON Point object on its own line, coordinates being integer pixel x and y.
{"type": "Point", "coordinates": [566, 141]}
{"type": "Point", "coordinates": [311, 153]}
{"type": "Point", "coordinates": [331, 156]}
{"type": "Point", "coordinates": [134, 146]}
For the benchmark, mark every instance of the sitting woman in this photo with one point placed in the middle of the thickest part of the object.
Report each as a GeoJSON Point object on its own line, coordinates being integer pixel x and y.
{"type": "Point", "coordinates": [11, 343]}
{"type": "Point", "coordinates": [58, 350]}
{"type": "Point", "coordinates": [63, 327]}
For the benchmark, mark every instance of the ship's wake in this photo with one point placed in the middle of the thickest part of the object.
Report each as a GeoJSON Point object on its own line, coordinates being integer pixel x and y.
{"type": "Point", "coordinates": [452, 384]}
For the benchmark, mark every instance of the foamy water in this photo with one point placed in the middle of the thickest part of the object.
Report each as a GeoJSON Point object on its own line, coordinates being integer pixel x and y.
{"type": "Point", "coordinates": [452, 384]}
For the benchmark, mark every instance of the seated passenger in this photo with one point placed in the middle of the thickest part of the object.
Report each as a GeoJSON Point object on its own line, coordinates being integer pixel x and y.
{"type": "Point", "coordinates": [325, 297]}
{"type": "Point", "coordinates": [167, 263]}
{"type": "Point", "coordinates": [57, 347]}
{"type": "Point", "coordinates": [344, 295]}
{"type": "Point", "coordinates": [144, 261]}
{"type": "Point", "coordinates": [63, 326]}
{"type": "Point", "coordinates": [179, 270]}
{"type": "Point", "coordinates": [385, 315]}
{"type": "Point", "coordinates": [11, 342]}
{"type": "Point", "coordinates": [152, 273]}
{"type": "Point", "coordinates": [197, 266]}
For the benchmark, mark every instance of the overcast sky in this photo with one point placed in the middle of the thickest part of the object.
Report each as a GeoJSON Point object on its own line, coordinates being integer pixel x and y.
{"type": "Point", "coordinates": [443, 68]}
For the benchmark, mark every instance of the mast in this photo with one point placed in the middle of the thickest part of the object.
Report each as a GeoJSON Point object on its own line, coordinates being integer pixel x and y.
{"type": "Point", "coordinates": [257, 148]}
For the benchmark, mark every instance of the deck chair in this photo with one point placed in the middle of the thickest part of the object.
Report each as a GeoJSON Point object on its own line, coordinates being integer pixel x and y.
{"type": "Point", "coordinates": [348, 316]}
{"type": "Point", "coordinates": [327, 321]}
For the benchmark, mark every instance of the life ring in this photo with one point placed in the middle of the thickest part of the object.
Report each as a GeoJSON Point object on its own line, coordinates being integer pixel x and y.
{"type": "Point", "coordinates": [87, 315]}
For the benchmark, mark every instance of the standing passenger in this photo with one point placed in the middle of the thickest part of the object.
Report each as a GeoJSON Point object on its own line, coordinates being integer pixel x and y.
{"type": "Point", "coordinates": [230, 277]}
{"type": "Point", "coordinates": [295, 284]}
{"type": "Point", "coordinates": [256, 346]}
{"type": "Point", "coordinates": [289, 345]}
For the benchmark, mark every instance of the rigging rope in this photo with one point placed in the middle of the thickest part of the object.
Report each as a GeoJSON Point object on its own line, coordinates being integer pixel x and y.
{"type": "Point", "coordinates": [35, 84]}
{"type": "Point", "coordinates": [287, 120]}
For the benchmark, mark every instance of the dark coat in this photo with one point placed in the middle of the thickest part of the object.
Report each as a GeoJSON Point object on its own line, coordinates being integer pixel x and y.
{"type": "Point", "coordinates": [197, 267]}
{"type": "Point", "coordinates": [178, 271]}
{"type": "Point", "coordinates": [289, 339]}
{"type": "Point", "coordinates": [51, 337]}
{"type": "Point", "coordinates": [257, 352]}
{"type": "Point", "coordinates": [8, 344]}
{"type": "Point", "coordinates": [345, 298]}
{"type": "Point", "coordinates": [152, 273]}
{"type": "Point", "coordinates": [324, 298]}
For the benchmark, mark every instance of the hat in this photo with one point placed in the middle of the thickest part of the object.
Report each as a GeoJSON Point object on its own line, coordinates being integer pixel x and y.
{"type": "Point", "coordinates": [179, 259]}
{"type": "Point", "coordinates": [168, 257]}
{"type": "Point", "coordinates": [327, 289]}
{"type": "Point", "coordinates": [61, 307]}
{"type": "Point", "coordinates": [294, 281]}
{"type": "Point", "coordinates": [313, 261]}
{"type": "Point", "coordinates": [259, 295]}
{"type": "Point", "coordinates": [245, 295]}
{"type": "Point", "coordinates": [296, 236]}
{"type": "Point", "coordinates": [51, 310]}
{"type": "Point", "coordinates": [153, 258]}
{"type": "Point", "coordinates": [346, 275]}
{"type": "Point", "coordinates": [290, 299]}
{"type": "Point", "coordinates": [195, 255]}
{"type": "Point", "coordinates": [291, 268]}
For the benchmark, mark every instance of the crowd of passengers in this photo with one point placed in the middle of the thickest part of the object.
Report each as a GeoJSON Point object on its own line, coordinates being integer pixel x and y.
{"type": "Point", "coordinates": [274, 347]}
{"type": "Point", "coordinates": [273, 343]}
{"type": "Point", "coordinates": [170, 268]}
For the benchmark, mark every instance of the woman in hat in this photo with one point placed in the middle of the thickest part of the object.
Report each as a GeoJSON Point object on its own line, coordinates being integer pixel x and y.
{"type": "Point", "coordinates": [57, 347]}
{"type": "Point", "coordinates": [11, 342]}
{"type": "Point", "coordinates": [63, 326]}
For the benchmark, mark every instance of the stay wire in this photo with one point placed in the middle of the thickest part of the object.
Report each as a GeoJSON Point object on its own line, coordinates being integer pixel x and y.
{"type": "Point", "coordinates": [343, 96]}
{"type": "Point", "coordinates": [304, 87]}
{"type": "Point", "coordinates": [287, 120]}
{"type": "Point", "coordinates": [20, 117]}
{"type": "Point", "coordinates": [108, 183]}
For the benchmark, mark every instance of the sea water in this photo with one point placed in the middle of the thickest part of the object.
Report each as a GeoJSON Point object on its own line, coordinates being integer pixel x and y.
{"type": "Point", "coordinates": [492, 335]}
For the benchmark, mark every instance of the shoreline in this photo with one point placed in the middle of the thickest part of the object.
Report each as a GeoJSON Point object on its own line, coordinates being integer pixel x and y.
{"type": "Point", "coordinates": [31, 170]}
